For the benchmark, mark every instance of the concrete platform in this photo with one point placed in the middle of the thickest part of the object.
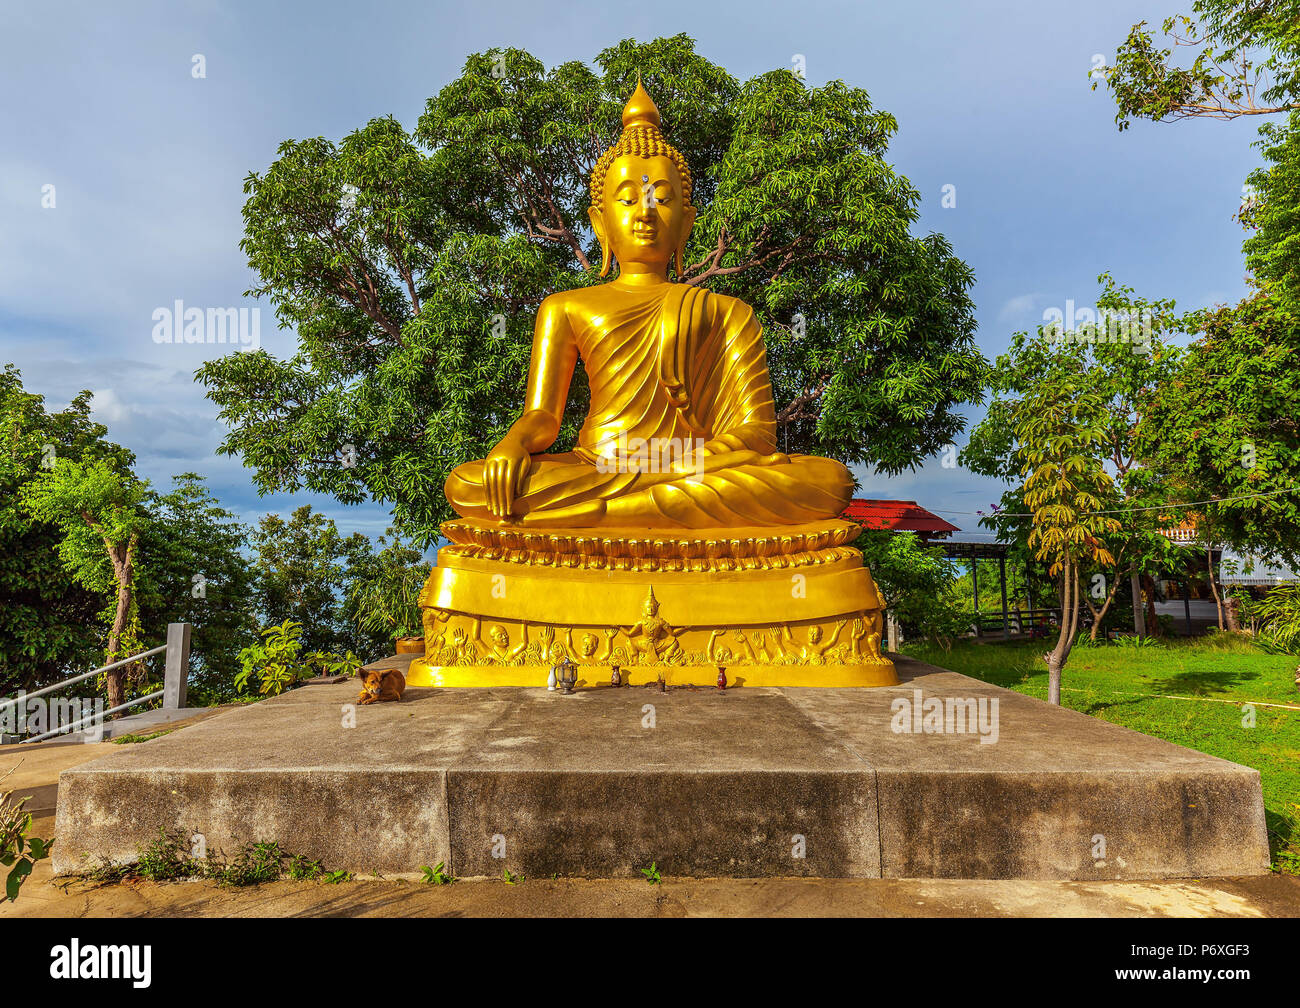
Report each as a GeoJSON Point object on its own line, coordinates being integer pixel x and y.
{"type": "Point", "coordinates": [747, 783]}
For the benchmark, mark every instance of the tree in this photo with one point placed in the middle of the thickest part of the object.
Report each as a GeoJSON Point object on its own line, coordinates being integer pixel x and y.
{"type": "Point", "coordinates": [411, 267]}
{"type": "Point", "coordinates": [48, 620]}
{"type": "Point", "coordinates": [302, 571]}
{"type": "Point", "coordinates": [384, 589]}
{"type": "Point", "coordinates": [1246, 62]}
{"type": "Point", "coordinates": [1272, 211]}
{"type": "Point", "coordinates": [1223, 429]}
{"type": "Point", "coordinates": [1226, 427]}
{"type": "Point", "coordinates": [1058, 430]}
{"type": "Point", "coordinates": [1120, 356]}
{"type": "Point", "coordinates": [99, 510]}
{"type": "Point", "coordinates": [194, 571]}
{"type": "Point", "coordinates": [915, 582]}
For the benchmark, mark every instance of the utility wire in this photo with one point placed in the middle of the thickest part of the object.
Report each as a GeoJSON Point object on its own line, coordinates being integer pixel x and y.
{"type": "Point", "coordinates": [1157, 507]}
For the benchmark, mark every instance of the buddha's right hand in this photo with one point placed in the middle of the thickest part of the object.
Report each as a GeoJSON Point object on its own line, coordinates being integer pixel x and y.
{"type": "Point", "coordinates": [504, 471]}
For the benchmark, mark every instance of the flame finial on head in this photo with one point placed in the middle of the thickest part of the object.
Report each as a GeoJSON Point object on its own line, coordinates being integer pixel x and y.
{"type": "Point", "coordinates": [640, 109]}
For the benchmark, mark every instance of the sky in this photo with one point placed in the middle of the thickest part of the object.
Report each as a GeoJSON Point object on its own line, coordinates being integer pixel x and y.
{"type": "Point", "coordinates": [147, 162]}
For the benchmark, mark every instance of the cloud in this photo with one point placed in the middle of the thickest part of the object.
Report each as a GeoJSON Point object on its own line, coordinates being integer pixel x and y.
{"type": "Point", "coordinates": [148, 164]}
{"type": "Point", "coordinates": [1019, 310]}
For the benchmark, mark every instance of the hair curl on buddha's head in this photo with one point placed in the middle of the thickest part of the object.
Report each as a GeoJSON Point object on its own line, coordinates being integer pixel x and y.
{"type": "Point", "coordinates": [641, 137]}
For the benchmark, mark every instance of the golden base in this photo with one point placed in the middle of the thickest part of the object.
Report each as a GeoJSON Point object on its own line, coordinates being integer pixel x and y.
{"type": "Point", "coordinates": [700, 676]}
{"type": "Point", "coordinates": [774, 607]}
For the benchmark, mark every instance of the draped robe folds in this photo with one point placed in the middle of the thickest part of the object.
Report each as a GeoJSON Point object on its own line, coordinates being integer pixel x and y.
{"type": "Point", "coordinates": [669, 369]}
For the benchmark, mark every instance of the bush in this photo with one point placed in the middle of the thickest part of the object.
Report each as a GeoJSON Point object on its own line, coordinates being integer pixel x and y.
{"type": "Point", "coordinates": [1278, 616]}
{"type": "Point", "coordinates": [168, 859]}
{"type": "Point", "coordinates": [19, 852]}
{"type": "Point", "coordinates": [276, 664]}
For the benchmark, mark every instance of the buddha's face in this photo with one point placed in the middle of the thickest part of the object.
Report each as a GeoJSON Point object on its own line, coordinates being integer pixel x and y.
{"type": "Point", "coordinates": [643, 219]}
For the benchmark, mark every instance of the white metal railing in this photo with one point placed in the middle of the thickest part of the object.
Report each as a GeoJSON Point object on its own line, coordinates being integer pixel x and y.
{"type": "Point", "coordinates": [175, 676]}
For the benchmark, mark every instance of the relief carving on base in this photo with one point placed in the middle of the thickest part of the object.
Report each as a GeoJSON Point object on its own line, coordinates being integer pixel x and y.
{"type": "Point", "coordinates": [453, 639]}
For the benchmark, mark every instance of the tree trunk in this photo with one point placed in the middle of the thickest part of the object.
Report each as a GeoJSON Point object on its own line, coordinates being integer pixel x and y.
{"type": "Point", "coordinates": [1230, 609]}
{"type": "Point", "coordinates": [1053, 679]}
{"type": "Point", "coordinates": [1139, 615]}
{"type": "Point", "coordinates": [117, 678]}
{"type": "Point", "coordinates": [1100, 614]}
{"type": "Point", "coordinates": [1153, 618]}
{"type": "Point", "coordinates": [1058, 656]}
{"type": "Point", "coordinates": [123, 570]}
{"type": "Point", "coordinates": [1214, 587]}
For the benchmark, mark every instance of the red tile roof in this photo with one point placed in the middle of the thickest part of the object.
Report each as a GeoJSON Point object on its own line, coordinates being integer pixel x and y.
{"type": "Point", "coordinates": [895, 515]}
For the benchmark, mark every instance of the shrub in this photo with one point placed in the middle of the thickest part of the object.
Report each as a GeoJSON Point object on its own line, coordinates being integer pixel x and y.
{"type": "Point", "coordinates": [276, 664]}
{"type": "Point", "coordinates": [1278, 617]}
{"type": "Point", "coordinates": [19, 851]}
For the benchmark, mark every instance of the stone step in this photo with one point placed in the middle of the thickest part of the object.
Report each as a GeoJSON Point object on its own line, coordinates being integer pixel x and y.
{"type": "Point", "coordinates": [743, 783]}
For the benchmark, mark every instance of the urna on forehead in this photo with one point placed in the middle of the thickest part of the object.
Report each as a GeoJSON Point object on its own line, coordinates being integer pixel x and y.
{"type": "Point", "coordinates": [657, 170]}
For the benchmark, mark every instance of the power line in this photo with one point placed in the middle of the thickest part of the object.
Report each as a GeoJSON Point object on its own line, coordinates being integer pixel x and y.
{"type": "Point", "coordinates": [1156, 507]}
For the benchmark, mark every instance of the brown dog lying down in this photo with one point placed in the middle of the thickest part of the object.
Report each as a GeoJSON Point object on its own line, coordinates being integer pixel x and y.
{"type": "Point", "coordinates": [381, 685]}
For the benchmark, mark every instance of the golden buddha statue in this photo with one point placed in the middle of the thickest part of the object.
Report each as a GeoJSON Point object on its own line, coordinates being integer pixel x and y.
{"type": "Point", "coordinates": [681, 430]}
{"type": "Point", "coordinates": [676, 480]}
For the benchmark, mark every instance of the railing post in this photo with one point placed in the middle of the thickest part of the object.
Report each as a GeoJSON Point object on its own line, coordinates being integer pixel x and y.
{"type": "Point", "coordinates": [178, 665]}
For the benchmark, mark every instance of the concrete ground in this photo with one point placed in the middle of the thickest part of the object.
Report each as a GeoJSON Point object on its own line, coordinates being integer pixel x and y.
{"type": "Point", "coordinates": [1259, 896]}
{"type": "Point", "coordinates": [753, 782]}
{"type": "Point", "coordinates": [37, 775]}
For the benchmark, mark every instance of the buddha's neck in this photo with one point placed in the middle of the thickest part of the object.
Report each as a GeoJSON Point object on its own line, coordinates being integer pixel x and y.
{"type": "Point", "coordinates": [631, 277]}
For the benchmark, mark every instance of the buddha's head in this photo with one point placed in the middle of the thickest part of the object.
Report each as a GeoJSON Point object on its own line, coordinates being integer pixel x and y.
{"type": "Point", "coordinates": [651, 604]}
{"type": "Point", "coordinates": [641, 195]}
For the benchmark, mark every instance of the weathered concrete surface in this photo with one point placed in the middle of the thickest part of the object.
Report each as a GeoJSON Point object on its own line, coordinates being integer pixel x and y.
{"type": "Point", "coordinates": [1059, 795]}
{"type": "Point", "coordinates": [751, 782]}
{"type": "Point", "coordinates": [1256, 896]}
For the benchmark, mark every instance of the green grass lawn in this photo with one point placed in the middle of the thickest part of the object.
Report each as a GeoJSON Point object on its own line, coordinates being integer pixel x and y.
{"type": "Point", "coordinates": [1172, 692]}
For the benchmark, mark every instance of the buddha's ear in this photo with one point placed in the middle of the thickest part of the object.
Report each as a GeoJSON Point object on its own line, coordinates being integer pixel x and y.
{"type": "Point", "coordinates": [598, 225]}
{"type": "Point", "coordinates": [688, 222]}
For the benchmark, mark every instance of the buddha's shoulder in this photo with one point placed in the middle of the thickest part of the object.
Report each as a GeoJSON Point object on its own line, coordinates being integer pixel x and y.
{"type": "Point", "coordinates": [576, 303]}
{"type": "Point", "coordinates": [732, 307]}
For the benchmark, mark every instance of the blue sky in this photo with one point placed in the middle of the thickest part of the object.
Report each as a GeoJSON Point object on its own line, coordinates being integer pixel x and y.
{"type": "Point", "coordinates": [148, 164]}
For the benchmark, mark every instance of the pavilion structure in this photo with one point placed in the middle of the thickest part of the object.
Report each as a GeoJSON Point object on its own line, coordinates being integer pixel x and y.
{"type": "Point", "coordinates": [909, 516]}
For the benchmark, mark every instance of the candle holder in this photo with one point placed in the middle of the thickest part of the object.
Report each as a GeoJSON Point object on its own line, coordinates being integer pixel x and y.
{"type": "Point", "coordinates": [568, 675]}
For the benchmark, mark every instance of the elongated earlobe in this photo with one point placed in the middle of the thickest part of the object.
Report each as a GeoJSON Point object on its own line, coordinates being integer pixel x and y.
{"type": "Point", "coordinates": [598, 226]}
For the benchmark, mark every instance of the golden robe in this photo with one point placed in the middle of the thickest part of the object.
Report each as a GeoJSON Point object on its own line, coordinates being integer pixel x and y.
{"type": "Point", "coordinates": [671, 368]}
